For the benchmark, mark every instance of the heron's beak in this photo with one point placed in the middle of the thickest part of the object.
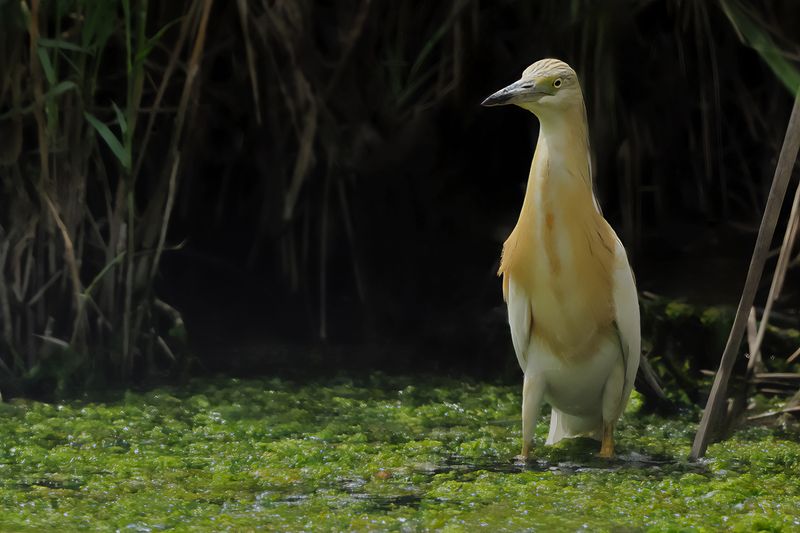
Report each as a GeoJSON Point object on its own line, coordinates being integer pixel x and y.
{"type": "Point", "coordinates": [510, 94]}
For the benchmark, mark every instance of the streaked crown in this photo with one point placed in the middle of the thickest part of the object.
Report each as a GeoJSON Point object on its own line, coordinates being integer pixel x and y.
{"type": "Point", "coordinates": [547, 68]}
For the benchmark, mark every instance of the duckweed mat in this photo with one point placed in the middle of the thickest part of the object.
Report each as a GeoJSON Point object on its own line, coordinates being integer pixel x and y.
{"type": "Point", "coordinates": [396, 454]}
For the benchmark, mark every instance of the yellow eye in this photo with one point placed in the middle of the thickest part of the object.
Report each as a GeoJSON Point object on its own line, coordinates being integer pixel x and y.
{"type": "Point", "coordinates": [557, 83]}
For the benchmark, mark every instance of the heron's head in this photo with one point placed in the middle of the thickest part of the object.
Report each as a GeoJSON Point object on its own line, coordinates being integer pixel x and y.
{"type": "Point", "coordinates": [548, 84]}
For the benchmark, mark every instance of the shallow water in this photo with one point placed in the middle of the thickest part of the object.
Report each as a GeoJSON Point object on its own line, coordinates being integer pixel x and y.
{"type": "Point", "coordinates": [384, 454]}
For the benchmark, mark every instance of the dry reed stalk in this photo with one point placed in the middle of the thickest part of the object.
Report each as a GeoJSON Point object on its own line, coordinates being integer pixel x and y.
{"type": "Point", "coordinates": [69, 256]}
{"type": "Point", "coordinates": [251, 63]}
{"type": "Point", "coordinates": [349, 41]}
{"type": "Point", "coordinates": [38, 92]}
{"type": "Point", "coordinates": [173, 186]}
{"type": "Point", "coordinates": [783, 171]}
{"type": "Point", "coordinates": [5, 307]}
{"type": "Point", "coordinates": [347, 218]}
{"type": "Point", "coordinates": [323, 261]}
{"type": "Point", "coordinates": [172, 65]}
{"type": "Point", "coordinates": [777, 280]}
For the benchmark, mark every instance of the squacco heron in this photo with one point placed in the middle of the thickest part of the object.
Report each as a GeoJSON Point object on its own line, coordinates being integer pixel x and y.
{"type": "Point", "coordinates": [572, 303]}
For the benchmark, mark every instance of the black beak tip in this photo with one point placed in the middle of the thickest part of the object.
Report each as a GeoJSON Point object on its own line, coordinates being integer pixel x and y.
{"type": "Point", "coordinates": [496, 99]}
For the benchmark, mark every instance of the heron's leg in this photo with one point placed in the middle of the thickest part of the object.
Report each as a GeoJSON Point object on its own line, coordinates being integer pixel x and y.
{"type": "Point", "coordinates": [607, 446]}
{"type": "Point", "coordinates": [532, 395]}
{"type": "Point", "coordinates": [613, 403]}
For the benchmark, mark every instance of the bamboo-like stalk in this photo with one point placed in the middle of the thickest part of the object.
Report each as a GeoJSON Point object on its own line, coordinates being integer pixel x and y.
{"type": "Point", "coordinates": [783, 171]}
{"type": "Point", "coordinates": [777, 279]}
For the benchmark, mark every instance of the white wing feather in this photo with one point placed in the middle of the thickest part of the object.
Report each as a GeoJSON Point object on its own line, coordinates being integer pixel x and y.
{"type": "Point", "coordinates": [626, 308]}
{"type": "Point", "coordinates": [519, 319]}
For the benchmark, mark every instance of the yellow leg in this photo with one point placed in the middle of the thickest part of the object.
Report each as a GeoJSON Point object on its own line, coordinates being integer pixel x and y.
{"type": "Point", "coordinates": [532, 395]}
{"type": "Point", "coordinates": [607, 447]}
{"type": "Point", "coordinates": [526, 450]}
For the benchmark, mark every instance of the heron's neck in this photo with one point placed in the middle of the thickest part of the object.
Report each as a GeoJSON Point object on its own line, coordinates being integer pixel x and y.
{"type": "Point", "coordinates": [561, 159]}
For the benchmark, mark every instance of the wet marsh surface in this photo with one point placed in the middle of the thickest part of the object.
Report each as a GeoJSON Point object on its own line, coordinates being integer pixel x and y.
{"type": "Point", "coordinates": [384, 453]}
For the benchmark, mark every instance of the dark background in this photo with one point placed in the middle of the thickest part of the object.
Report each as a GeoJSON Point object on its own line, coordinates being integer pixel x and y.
{"type": "Point", "coordinates": [686, 122]}
{"type": "Point", "coordinates": [342, 198]}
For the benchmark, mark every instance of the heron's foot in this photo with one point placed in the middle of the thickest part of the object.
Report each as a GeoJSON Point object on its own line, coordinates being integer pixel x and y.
{"type": "Point", "coordinates": [523, 456]}
{"type": "Point", "coordinates": [607, 446]}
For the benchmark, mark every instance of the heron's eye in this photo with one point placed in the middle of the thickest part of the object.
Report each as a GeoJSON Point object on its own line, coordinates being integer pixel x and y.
{"type": "Point", "coordinates": [557, 83]}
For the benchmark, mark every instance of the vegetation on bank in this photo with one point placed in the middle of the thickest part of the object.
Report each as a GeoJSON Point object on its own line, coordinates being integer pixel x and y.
{"type": "Point", "coordinates": [387, 453]}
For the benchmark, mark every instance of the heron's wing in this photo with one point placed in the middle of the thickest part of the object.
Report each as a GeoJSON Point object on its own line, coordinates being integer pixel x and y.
{"type": "Point", "coordinates": [626, 311]}
{"type": "Point", "coordinates": [519, 319]}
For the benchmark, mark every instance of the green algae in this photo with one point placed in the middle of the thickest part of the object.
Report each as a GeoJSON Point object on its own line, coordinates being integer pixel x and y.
{"type": "Point", "coordinates": [402, 454]}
